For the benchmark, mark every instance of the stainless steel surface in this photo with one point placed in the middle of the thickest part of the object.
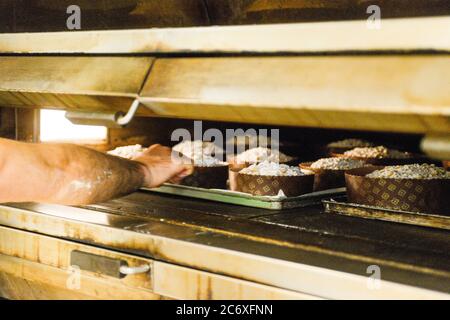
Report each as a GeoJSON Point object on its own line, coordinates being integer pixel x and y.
{"type": "Point", "coordinates": [395, 35]}
{"type": "Point", "coordinates": [311, 254]}
{"type": "Point", "coordinates": [35, 266]}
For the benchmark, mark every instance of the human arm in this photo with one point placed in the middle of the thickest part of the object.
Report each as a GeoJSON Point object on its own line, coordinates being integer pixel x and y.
{"type": "Point", "coordinates": [74, 175]}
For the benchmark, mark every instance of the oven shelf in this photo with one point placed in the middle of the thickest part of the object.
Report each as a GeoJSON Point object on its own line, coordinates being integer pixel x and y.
{"type": "Point", "coordinates": [375, 213]}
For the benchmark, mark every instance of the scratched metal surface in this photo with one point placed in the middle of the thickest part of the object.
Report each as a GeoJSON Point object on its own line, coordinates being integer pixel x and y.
{"type": "Point", "coordinates": [416, 246]}
{"type": "Point", "coordinates": [407, 254]}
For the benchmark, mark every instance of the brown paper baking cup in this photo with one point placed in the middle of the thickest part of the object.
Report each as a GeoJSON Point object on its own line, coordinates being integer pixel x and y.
{"type": "Point", "coordinates": [233, 172]}
{"type": "Point", "coordinates": [325, 178]}
{"type": "Point", "coordinates": [236, 167]}
{"type": "Point", "coordinates": [446, 164]}
{"type": "Point", "coordinates": [208, 177]}
{"type": "Point", "coordinates": [414, 195]}
{"type": "Point", "coordinates": [271, 185]}
{"type": "Point", "coordinates": [385, 161]}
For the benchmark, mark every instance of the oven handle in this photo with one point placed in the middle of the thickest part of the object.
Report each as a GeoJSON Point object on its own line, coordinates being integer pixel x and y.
{"type": "Point", "coordinates": [108, 119]}
{"type": "Point", "coordinates": [126, 270]}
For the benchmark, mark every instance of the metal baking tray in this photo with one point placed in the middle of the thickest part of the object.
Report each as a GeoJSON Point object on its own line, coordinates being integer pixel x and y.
{"type": "Point", "coordinates": [245, 199]}
{"type": "Point", "coordinates": [339, 206]}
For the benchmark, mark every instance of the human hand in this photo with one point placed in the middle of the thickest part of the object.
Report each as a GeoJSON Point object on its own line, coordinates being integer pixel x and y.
{"type": "Point", "coordinates": [159, 166]}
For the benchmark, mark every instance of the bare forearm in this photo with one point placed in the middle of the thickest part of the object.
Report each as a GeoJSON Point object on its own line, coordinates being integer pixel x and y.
{"type": "Point", "coordinates": [64, 174]}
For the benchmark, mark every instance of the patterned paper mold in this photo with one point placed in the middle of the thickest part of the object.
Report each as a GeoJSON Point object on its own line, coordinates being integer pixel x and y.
{"type": "Point", "coordinates": [327, 178]}
{"type": "Point", "coordinates": [208, 177]}
{"type": "Point", "coordinates": [267, 179]}
{"type": "Point", "coordinates": [413, 195]}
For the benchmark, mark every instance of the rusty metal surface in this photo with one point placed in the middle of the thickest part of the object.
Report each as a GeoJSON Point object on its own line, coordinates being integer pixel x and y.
{"type": "Point", "coordinates": [194, 234]}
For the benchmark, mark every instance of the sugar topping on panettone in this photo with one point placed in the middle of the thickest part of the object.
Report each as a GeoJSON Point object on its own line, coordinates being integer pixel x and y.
{"type": "Point", "coordinates": [267, 168]}
{"type": "Point", "coordinates": [337, 164]}
{"type": "Point", "coordinates": [201, 153]}
{"type": "Point", "coordinates": [411, 171]}
{"type": "Point", "coordinates": [128, 152]}
{"type": "Point", "coordinates": [350, 143]}
{"type": "Point", "coordinates": [260, 154]}
{"type": "Point", "coordinates": [379, 152]}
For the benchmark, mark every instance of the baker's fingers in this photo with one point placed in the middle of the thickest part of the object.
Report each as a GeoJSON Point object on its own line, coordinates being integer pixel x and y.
{"type": "Point", "coordinates": [177, 178]}
{"type": "Point", "coordinates": [187, 171]}
{"type": "Point", "coordinates": [157, 150]}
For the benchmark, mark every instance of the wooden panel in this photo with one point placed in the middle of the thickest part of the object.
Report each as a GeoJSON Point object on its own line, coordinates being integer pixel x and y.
{"type": "Point", "coordinates": [414, 34]}
{"type": "Point", "coordinates": [92, 83]}
{"type": "Point", "coordinates": [389, 93]}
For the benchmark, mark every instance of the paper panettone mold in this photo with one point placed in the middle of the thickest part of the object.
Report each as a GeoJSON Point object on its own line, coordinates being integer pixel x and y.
{"type": "Point", "coordinates": [259, 185]}
{"type": "Point", "coordinates": [414, 195]}
{"type": "Point", "coordinates": [235, 167]}
{"type": "Point", "coordinates": [213, 177]}
{"type": "Point", "coordinates": [324, 178]}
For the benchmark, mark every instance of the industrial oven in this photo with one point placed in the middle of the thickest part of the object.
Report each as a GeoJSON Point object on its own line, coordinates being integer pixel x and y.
{"type": "Point", "coordinates": [316, 70]}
